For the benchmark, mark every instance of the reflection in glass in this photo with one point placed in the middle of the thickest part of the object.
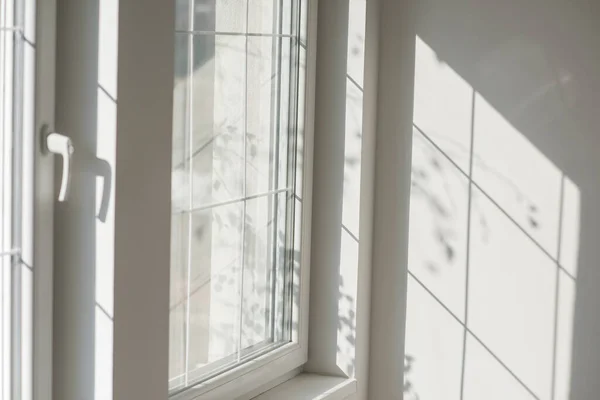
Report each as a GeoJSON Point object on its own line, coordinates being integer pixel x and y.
{"type": "Point", "coordinates": [236, 131]}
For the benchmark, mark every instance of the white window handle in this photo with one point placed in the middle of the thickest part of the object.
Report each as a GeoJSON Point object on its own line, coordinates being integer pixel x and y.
{"type": "Point", "coordinates": [59, 144]}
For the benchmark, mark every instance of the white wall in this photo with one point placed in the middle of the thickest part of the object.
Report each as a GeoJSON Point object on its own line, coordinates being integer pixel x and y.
{"type": "Point", "coordinates": [520, 79]}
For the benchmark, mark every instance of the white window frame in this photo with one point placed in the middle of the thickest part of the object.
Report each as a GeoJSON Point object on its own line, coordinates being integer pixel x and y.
{"type": "Point", "coordinates": [32, 308]}
{"type": "Point", "coordinates": [141, 187]}
{"type": "Point", "coordinates": [244, 379]}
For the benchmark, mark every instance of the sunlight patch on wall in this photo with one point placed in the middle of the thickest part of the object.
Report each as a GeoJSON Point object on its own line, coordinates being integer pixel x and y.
{"type": "Point", "coordinates": [486, 379]}
{"type": "Point", "coordinates": [569, 239]}
{"type": "Point", "coordinates": [346, 341]}
{"type": "Point", "coordinates": [512, 296]}
{"type": "Point", "coordinates": [564, 339]}
{"type": "Point", "coordinates": [350, 232]}
{"type": "Point", "coordinates": [494, 236]}
{"type": "Point", "coordinates": [105, 159]}
{"type": "Point", "coordinates": [442, 105]}
{"type": "Point", "coordinates": [523, 182]}
{"type": "Point", "coordinates": [438, 232]}
{"type": "Point", "coordinates": [434, 341]}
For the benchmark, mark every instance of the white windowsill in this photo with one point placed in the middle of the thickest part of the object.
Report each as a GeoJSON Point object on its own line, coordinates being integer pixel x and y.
{"type": "Point", "coordinates": [312, 387]}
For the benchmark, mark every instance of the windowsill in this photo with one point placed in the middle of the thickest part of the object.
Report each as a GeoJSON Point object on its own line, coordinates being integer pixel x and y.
{"type": "Point", "coordinates": [312, 387]}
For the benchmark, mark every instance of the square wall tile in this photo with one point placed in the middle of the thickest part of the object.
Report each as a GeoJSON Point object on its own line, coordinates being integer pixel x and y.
{"type": "Point", "coordinates": [512, 285]}
{"type": "Point", "coordinates": [438, 224]}
{"type": "Point", "coordinates": [434, 345]}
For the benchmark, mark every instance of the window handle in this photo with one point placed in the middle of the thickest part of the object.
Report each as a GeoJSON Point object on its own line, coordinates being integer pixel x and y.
{"type": "Point", "coordinates": [61, 145]}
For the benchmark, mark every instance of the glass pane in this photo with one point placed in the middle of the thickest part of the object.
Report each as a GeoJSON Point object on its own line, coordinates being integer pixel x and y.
{"type": "Point", "coordinates": [264, 252]}
{"type": "Point", "coordinates": [182, 14]}
{"type": "Point", "coordinates": [236, 148]}
{"type": "Point", "coordinates": [273, 17]}
{"type": "Point", "coordinates": [268, 102]}
{"type": "Point", "coordinates": [178, 300]}
{"type": "Point", "coordinates": [215, 285]}
{"type": "Point", "coordinates": [218, 115]}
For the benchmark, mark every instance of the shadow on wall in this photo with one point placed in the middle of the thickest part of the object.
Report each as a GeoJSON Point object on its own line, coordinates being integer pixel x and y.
{"type": "Point", "coordinates": [208, 257]}
{"type": "Point", "coordinates": [493, 246]}
{"type": "Point", "coordinates": [503, 233]}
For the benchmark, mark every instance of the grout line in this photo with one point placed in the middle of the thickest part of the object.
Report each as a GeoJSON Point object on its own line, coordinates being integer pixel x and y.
{"type": "Point", "coordinates": [473, 335]}
{"type": "Point", "coordinates": [103, 310]}
{"type": "Point", "coordinates": [352, 235]}
{"type": "Point", "coordinates": [354, 82]}
{"type": "Point", "coordinates": [441, 303]}
{"type": "Point", "coordinates": [467, 331]}
{"type": "Point", "coordinates": [438, 148]}
{"type": "Point", "coordinates": [557, 288]}
{"type": "Point", "coordinates": [479, 188]}
{"type": "Point", "coordinates": [546, 252]}
{"type": "Point", "coordinates": [567, 273]}
{"type": "Point", "coordinates": [110, 96]}
{"type": "Point", "coordinates": [531, 392]}
{"type": "Point", "coordinates": [475, 159]}
{"type": "Point", "coordinates": [468, 250]}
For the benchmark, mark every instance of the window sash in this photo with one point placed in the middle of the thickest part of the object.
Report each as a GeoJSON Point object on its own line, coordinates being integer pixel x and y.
{"type": "Point", "coordinates": [11, 36]}
{"type": "Point", "coordinates": [294, 198]}
{"type": "Point", "coordinates": [279, 359]}
{"type": "Point", "coordinates": [24, 337]}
